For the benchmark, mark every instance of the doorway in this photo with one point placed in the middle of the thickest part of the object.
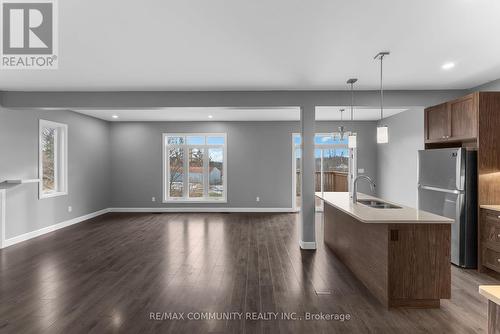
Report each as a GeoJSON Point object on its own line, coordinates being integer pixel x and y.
{"type": "Point", "coordinates": [335, 165]}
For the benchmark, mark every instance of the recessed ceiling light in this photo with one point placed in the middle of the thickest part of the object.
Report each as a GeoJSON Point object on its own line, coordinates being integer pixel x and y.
{"type": "Point", "coordinates": [448, 66]}
{"type": "Point", "coordinates": [115, 116]}
{"type": "Point", "coordinates": [210, 116]}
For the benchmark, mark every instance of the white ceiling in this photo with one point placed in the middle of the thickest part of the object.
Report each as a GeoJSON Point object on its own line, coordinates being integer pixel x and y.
{"type": "Point", "coordinates": [233, 114]}
{"type": "Point", "coordinates": [268, 45]}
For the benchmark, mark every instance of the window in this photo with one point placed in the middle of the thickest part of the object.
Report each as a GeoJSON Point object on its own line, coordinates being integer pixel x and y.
{"type": "Point", "coordinates": [335, 164]}
{"type": "Point", "coordinates": [195, 167]}
{"type": "Point", "coordinates": [53, 171]}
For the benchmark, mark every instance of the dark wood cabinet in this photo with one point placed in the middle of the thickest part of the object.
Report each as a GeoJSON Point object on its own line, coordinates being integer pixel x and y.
{"type": "Point", "coordinates": [489, 223]}
{"type": "Point", "coordinates": [463, 117]}
{"type": "Point", "coordinates": [452, 121]}
{"type": "Point", "coordinates": [437, 122]}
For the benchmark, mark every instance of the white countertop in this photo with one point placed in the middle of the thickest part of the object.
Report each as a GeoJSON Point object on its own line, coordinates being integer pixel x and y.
{"type": "Point", "coordinates": [492, 292]}
{"type": "Point", "coordinates": [491, 207]}
{"type": "Point", "coordinates": [366, 214]}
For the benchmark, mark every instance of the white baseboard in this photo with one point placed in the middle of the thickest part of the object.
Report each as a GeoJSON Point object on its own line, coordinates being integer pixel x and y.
{"type": "Point", "coordinates": [307, 244]}
{"type": "Point", "coordinates": [51, 228]}
{"type": "Point", "coordinates": [208, 209]}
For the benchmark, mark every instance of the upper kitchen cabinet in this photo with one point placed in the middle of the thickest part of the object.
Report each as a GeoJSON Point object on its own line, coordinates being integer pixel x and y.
{"type": "Point", "coordinates": [437, 121]}
{"type": "Point", "coordinates": [453, 122]}
{"type": "Point", "coordinates": [463, 117]}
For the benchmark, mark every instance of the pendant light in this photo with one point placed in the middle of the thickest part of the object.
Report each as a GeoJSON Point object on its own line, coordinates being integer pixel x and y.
{"type": "Point", "coordinates": [341, 127]}
{"type": "Point", "coordinates": [352, 140]}
{"type": "Point", "coordinates": [382, 130]}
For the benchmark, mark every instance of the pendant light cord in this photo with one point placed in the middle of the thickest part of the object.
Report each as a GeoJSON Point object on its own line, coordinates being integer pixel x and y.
{"type": "Point", "coordinates": [381, 88]}
{"type": "Point", "coordinates": [351, 82]}
{"type": "Point", "coordinates": [381, 55]}
{"type": "Point", "coordinates": [352, 101]}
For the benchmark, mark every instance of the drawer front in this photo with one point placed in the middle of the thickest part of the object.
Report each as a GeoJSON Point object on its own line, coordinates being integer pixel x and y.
{"type": "Point", "coordinates": [492, 216]}
{"type": "Point", "coordinates": [491, 259]}
{"type": "Point", "coordinates": [490, 231]}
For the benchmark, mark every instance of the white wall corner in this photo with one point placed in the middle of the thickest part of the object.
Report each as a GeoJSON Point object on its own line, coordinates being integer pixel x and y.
{"type": "Point", "coordinates": [307, 244]}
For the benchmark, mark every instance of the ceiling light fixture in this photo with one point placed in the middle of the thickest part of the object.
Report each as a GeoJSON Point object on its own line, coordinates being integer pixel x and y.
{"type": "Point", "coordinates": [210, 116]}
{"type": "Point", "coordinates": [352, 140]}
{"type": "Point", "coordinates": [382, 130]}
{"type": "Point", "coordinates": [115, 116]}
{"type": "Point", "coordinates": [341, 127]}
{"type": "Point", "coordinates": [448, 65]}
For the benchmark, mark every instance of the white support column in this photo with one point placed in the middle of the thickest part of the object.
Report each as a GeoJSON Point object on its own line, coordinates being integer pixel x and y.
{"type": "Point", "coordinates": [307, 222]}
{"type": "Point", "coordinates": [2, 218]}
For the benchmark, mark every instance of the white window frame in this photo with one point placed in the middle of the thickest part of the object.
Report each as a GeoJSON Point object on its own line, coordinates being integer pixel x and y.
{"type": "Point", "coordinates": [206, 176]}
{"type": "Point", "coordinates": [352, 168]}
{"type": "Point", "coordinates": [60, 157]}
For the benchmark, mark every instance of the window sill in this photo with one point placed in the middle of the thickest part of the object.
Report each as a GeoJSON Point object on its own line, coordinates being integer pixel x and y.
{"type": "Point", "coordinates": [51, 195]}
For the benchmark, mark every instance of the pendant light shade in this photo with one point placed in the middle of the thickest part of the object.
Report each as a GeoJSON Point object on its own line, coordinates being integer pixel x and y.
{"type": "Point", "coordinates": [382, 135]}
{"type": "Point", "coordinates": [382, 130]}
{"type": "Point", "coordinates": [352, 141]}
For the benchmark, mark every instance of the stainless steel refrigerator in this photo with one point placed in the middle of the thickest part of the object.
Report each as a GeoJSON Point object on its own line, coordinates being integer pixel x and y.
{"type": "Point", "coordinates": [447, 186]}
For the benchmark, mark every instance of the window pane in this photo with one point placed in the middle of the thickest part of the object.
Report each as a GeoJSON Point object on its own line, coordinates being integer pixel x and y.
{"type": "Point", "coordinates": [342, 140]}
{"type": "Point", "coordinates": [216, 170]}
{"type": "Point", "coordinates": [48, 138]}
{"type": "Point", "coordinates": [215, 140]}
{"type": "Point", "coordinates": [324, 139]}
{"type": "Point", "coordinates": [176, 181]}
{"type": "Point", "coordinates": [196, 140]}
{"type": "Point", "coordinates": [195, 172]}
{"type": "Point", "coordinates": [298, 180]}
{"type": "Point", "coordinates": [335, 160]}
{"type": "Point", "coordinates": [175, 140]}
{"type": "Point", "coordinates": [297, 139]}
{"type": "Point", "coordinates": [317, 167]}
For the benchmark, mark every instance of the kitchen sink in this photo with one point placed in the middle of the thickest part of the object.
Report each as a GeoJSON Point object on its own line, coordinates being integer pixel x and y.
{"type": "Point", "coordinates": [377, 204]}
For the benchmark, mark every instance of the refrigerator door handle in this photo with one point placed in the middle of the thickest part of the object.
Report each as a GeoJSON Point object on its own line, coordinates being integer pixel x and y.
{"type": "Point", "coordinates": [449, 191]}
{"type": "Point", "coordinates": [460, 175]}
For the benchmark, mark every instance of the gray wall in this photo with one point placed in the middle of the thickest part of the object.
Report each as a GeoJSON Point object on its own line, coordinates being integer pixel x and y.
{"type": "Point", "coordinates": [88, 169]}
{"type": "Point", "coordinates": [397, 160]}
{"type": "Point", "coordinates": [259, 160]}
{"type": "Point", "coordinates": [492, 86]}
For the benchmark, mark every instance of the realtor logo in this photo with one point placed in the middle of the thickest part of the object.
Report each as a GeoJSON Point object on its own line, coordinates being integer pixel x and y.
{"type": "Point", "coordinates": [29, 34]}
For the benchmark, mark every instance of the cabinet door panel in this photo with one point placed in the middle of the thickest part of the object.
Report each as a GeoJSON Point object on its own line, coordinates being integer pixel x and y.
{"type": "Point", "coordinates": [437, 122]}
{"type": "Point", "coordinates": [463, 114]}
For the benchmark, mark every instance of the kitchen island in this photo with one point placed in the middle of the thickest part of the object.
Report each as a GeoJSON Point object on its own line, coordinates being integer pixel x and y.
{"type": "Point", "coordinates": [402, 255]}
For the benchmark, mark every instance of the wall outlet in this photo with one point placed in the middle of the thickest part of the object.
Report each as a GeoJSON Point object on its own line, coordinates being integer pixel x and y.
{"type": "Point", "coordinates": [361, 170]}
{"type": "Point", "coordinates": [70, 208]}
{"type": "Point", "coordinates": [153, 199]}
{"type": "Point", "coordinates": [257, 199]}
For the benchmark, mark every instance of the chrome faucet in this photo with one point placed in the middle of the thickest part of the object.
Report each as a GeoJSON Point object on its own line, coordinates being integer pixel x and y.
{"type": "Point", "coordinates": [355, 186]}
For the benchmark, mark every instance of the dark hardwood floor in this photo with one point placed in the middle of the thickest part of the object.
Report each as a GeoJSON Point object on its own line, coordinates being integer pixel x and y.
{"type": "Point", "coordinates": [109, 274]}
